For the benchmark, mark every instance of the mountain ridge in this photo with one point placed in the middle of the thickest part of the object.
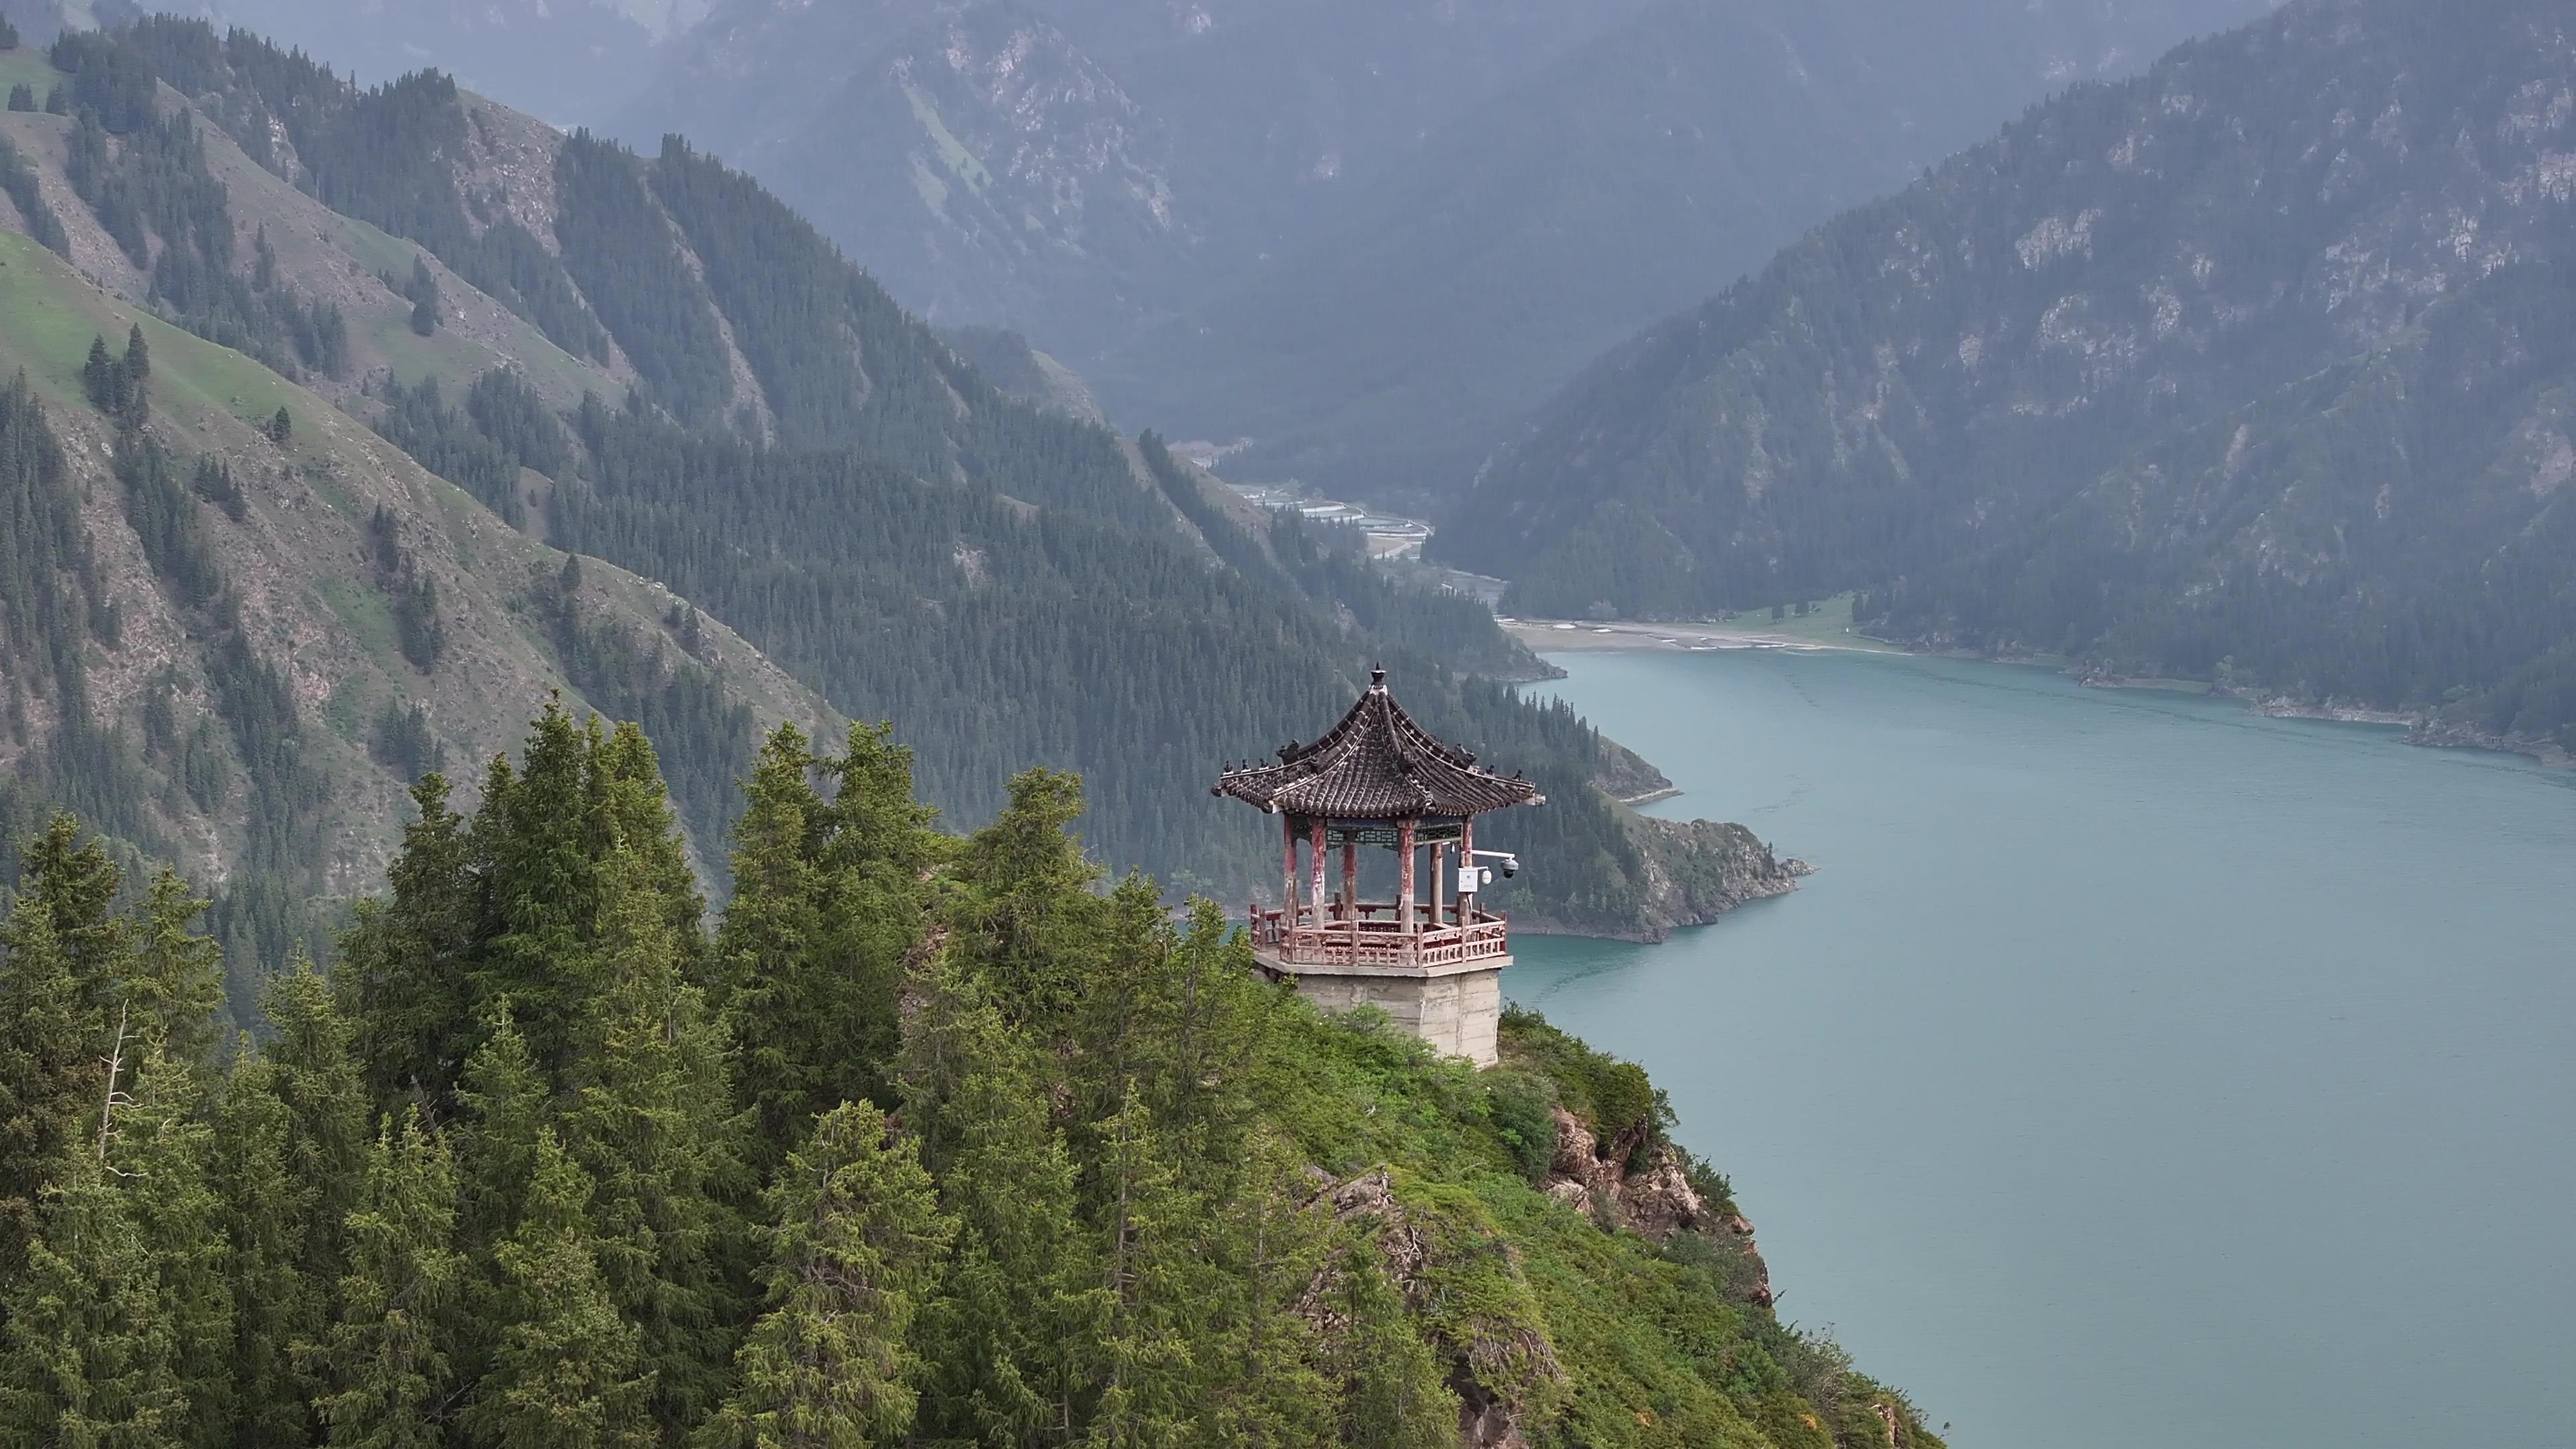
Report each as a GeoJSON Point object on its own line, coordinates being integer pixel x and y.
{"type": "Point", "coordinates": [877, 518]}
{"type": "Point", "coordinates": [1954, 399]}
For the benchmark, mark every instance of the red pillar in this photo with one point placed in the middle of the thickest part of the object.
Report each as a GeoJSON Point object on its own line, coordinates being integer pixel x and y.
{"type": "Point", "coordinates": [1404, 847]}
{"type": "Point", "coordinates": [1316, 857]}
{"type": "Point", "coordinates": [1439, 867]}
{"type": "Point", "coordinates": [1351, 879]}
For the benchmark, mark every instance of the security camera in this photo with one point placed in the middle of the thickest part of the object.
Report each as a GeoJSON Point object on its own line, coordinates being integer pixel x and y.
{"type": "Point", "coordinates": [1511, 866]}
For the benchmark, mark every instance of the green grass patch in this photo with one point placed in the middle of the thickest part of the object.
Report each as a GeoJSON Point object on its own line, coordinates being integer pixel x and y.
{"type": "Point", "coordinates": [377, 250]}
{"type": "Point", "coordinates": [49, 315]}
{"type": "Point", "coordinates": [27, 65]}
{"type": "Point", "coordinates": [1830, 622]}
{"type": "Point", "coordinates": [370, 621]}
{"type": "Point", "coordinates": [453, 359]}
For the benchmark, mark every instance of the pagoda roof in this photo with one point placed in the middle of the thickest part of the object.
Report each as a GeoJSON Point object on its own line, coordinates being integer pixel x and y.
{"type": "Point", "coordinates": [1377, 764]}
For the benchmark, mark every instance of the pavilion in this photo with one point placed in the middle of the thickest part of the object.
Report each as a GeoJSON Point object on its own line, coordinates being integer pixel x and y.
{"type": "Point", "coordinates": [1432, 961]}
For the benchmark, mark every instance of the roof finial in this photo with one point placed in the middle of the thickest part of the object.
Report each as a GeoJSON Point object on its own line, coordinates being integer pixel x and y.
{"type": "Point", "coordinates": [1377, 676]}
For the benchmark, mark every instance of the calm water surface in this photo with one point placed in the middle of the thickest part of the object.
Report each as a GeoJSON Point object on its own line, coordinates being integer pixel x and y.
{"type": "Point", "coordinates": [2137, 1074]}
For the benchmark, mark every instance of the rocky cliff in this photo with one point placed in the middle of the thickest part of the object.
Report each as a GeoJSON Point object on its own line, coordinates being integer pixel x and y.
{"type": "Point", "coordinates": [1689, 873]}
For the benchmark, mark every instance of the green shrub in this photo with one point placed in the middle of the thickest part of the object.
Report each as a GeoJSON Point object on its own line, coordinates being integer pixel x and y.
{"type": "Point", "coordinates": [1614, 1098]}
{"type": "Point", "coordinates": [1521, 1105]}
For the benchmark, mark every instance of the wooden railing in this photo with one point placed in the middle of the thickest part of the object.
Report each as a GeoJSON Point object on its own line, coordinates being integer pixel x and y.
{"type": "Point", "coordinates": [1376, 935]}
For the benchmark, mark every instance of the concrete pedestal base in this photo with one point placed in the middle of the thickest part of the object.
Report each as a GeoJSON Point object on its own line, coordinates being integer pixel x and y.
{"type": "Point", "coordinates": [1457, 1009]}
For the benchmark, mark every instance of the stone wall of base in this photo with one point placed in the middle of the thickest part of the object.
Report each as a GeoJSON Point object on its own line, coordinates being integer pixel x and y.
{"type": "Point", "coordinates": [1460, 1014]}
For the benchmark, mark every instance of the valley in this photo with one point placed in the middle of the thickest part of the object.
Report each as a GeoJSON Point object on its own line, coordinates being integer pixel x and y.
{"type": "Point", "coordinates": [617, 617]}
{"type": "Point", "coordinates": [547, 322]}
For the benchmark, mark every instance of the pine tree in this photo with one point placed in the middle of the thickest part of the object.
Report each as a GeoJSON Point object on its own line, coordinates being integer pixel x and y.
{"type": "Point", "coordinates": [638, 819]}
{"type": "Point", "coordinates": [1268, 1248]}
{"type": "Point", "coordinates": [540, 833]}
{"type": "Point", "coordinates": [46, 1069]}
{"type": "Point", "coordinates": [1197, 1208]}
{"type": "Point", "coordinates": [829, 899]}
{"type": "Point", "coordinates": [1028, 926]}
{"type": "Point", "coordinates": [87, 1353]}
{"type": "Point", "coordinates": [405, 961]}
{"type": "Point", "coordinates": [776, 1004]}
{"type": "Point", "coordinates": [1200, 1343]}
{"type": "Point", "coordinates": [386, 1363]}
{"type": "Point", "coordinates": [855, 1250]}
{"type": "Point", "coordinates": [877, 851]}
{"type": "Point", "coordinates": [101, 380]}
{"type": "Point", "coordinates": [267, 1208]}
{"type": "Point", "coordinates": [652, 1127]}
{"type": "Point", "coordinates": [77, 884]}
{"type": "Point", "coordinates": [423, 294]}
{"type": "Point", "coordinates": [175, 983]}
{"type": "Point", "coordinates": [162, 1150]}
{"type": "Point", "coordinates": [326, 1115]}
{"type": "Point", "coordinates": [1157, 1286]}
{"type": "Point", "coordinates": [1009, 1338]}
{"type": "Point", "coordinates": [506, 1108]}
{"type": "Point", "coordinates": [567, 1372]}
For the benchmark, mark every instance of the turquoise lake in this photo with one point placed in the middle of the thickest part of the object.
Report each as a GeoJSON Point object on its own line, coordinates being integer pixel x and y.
{"type": "Point", "coordinates": [2136, 1073]}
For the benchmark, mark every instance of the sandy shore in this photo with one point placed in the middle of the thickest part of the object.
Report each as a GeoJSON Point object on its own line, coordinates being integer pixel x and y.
{"type": "Point", "coordinates": [1551, 636]}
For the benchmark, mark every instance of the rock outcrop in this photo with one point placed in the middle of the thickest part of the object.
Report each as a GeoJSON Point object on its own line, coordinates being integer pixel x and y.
{"type": "Point", "coordinates": [1698, 870]}
{"type": "Point", "coordinates": [1643, 1187]}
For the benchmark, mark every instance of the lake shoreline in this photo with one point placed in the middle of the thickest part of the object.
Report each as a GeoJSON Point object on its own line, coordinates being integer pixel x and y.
{"type": "Point", "coordinates": [1555, 636]}
{"type": "Point", "coordinates": [1558, 636]}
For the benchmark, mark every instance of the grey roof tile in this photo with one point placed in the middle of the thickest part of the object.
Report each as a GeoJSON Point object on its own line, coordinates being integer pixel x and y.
{"type": "Point", "coordinates": [1377, 764]}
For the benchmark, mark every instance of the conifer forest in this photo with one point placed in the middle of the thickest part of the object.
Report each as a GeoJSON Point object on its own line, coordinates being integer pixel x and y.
{"type": "Point", "coordinates": [927, 1139]}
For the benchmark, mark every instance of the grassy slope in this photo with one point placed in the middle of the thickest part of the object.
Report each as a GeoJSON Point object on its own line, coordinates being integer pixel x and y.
{"type": "Point", "coordinates": [325, 254]}
{"type": "Point", "coordinates": [1659, 1346]}
{"type": "Point", "coordinates": [310, 598]}
{"type": "Point", "coordinates": [27, 65]}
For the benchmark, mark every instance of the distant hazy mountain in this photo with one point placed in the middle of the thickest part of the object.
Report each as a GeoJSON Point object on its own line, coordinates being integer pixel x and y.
{"type": "Point", "coordinates": [1367, 234]}
{"type": "Point", "coordinates": [1642, 171]}
{"type": "Point", "coordinates": [1081, 167]}
{"type": "Point", "coordinates": [2261, 366]}
{"type": "Point", "coordinates": [980, 162]}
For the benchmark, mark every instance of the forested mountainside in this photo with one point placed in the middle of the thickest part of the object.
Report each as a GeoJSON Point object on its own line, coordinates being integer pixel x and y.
{"type": "Point", "coordinates": [237, 623]}
{"type": "Point", "coordinates": [926, 1142]}
{"type": "Point", "coordinates": [2255, 368]}
{"type": "Point", "coordinates": [655, 364]}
